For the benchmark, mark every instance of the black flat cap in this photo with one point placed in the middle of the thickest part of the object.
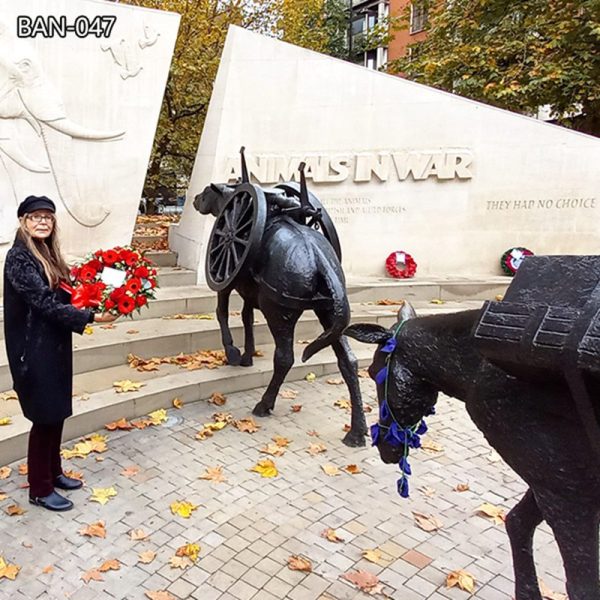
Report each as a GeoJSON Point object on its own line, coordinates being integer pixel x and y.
{"type": "Point", "coordinates": [33, 203]}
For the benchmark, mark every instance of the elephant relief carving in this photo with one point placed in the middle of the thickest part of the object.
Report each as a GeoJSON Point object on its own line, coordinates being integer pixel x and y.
{"type": "Point", "coordinates": [36, 133]}
{"type": "Point", "coordinates": [128, 54]}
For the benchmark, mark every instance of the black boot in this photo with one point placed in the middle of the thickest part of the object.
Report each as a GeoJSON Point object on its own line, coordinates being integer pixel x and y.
{"type": "Point", "coordinates": [62, 482]}
{"type": "Point", "coordinates": [53, 501]}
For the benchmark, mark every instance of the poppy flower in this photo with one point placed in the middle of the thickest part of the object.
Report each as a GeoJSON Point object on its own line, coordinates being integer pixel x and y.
{"type": "Point", "coordinates": [141, 300]}
{"type": "Point", "coordinates": [109, 304]}
{"type": "Point", "coordinates": [133, 285]}
{"type": "Point", "coordinates": [142, 272]}
{"type": "Point", "coordinates": [87, 273]}
{"type": "Point", "coordinates": [110, 257]}
{"type": "Point", "coordinates": [117, 294]}
{"type": "Point", "coordinates": [131, 259]}
{"type": "Point", "coordinates": [95, 264]}
{"type": "Point", "coordinates": [126, 305]}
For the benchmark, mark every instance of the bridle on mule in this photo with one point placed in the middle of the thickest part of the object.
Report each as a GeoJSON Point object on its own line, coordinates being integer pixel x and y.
{"type": "Point", "coordinates": [394, 434]}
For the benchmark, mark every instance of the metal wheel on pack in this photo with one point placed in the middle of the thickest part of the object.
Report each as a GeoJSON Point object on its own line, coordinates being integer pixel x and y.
{"type": "Point", "coordinates": [236, 236]}
{"type": "Point", "coordinates": [324, 224]}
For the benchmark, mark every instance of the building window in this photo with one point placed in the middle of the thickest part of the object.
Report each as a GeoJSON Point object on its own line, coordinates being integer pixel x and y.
{"type": "Point", "coordinates": [418, 17]}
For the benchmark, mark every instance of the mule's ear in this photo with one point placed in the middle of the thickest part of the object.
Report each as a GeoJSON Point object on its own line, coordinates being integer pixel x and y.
{"type": "Point", "coordinates": [406, 312]}
{"type": "Point", "coordinates": [368, 333]}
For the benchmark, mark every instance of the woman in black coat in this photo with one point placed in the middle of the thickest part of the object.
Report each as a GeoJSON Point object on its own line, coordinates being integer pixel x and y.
{"type": "Point", "coordinates": [38, 323]}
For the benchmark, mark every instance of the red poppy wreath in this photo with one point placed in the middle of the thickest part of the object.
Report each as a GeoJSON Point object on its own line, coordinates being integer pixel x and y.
{"type": "Point", "coordinates": [400, 265]}
{"type": "Point", "coordinates": [118, 281]}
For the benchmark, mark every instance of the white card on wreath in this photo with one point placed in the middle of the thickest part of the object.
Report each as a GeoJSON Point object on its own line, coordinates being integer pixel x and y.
{"type": "Point", "coordinates": [113, 277]}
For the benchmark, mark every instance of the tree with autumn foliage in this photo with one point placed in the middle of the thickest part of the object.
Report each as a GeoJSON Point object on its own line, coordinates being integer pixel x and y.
{"type": "Point", "coordinates": [516, 54]}
{"type": "Point", "coordinates": [315, 24]}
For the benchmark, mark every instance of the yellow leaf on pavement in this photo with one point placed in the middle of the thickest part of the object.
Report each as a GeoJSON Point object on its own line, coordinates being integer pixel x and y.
{"type": "Point", "coordinates": [281, 441]}
{"type": "Point", "coordinates": [122, 424]}
{"type": "Point", "coordinates": [316, 448]}
{"type": "Point", "coordinates": [461, 487]}
{"type": "Point", "coordinates": [248, 425]}
{"type": "Point", "coordinates": [493, 512]}
{"type": "Point", "coordinates": [23, 470]}
{"type": "Point", "coordinates": [126, 385]}
{"type": "Point", "coordinates": [110, 565]}
{"type": "Point", "coordinates": [464, 580]}
{"type": "Point", "coordinates": [14, 510]}
{"type": "Point", "coordinates": [427, 522]}
{"type": "Point", "coordinates": [88, 330]}
{"type": "Point", "coordinates": [177, 403]}
{"type": "Point", "coordinates": [299, 563]}
{"type": "Point", "coordinates": [180, 562]}
{"type": "Point", "coordinates": [218, 399]}
{"type": "Point", "coordinates": [373, 555]}
{"type": "Point", "coordinates": [214, 474]}
{"type": "Point", "coordinates": [353, 469]}
{"type": "Point", "coordinates": [331, 470]}
{"type": "Point", "coordinates": [103, 495]}
{"type": "Point", "coordinates": [189, 550]}
{"type": "Point", "coordinates": [48, 569]}
{"type": "Point", "coordinates": [431, 447]}
{"type": "Point", "coordinates": [158, 417]}
{"type": "Point", "coordinates": [343, 403]}
{"type": "Point", "coordinates": [138, 534]}
{"type": "Point", "coordinates": [364, 581]}
{"type": "Point", "coordinates": [548, 594]}
{"type": "Point", "coordinates": [92, 575]}
{"type": "Point", "coordinates": [334, 381]}
{"type": "Point", "coordinates": [183, 508]}
{"type": "Point", "coordinates": [5, 472]}
{"type": "Point", "coordinates": [147, 557]}
{"type": "Point", "coordinates": [310, 377]}
{"type": "Point", "coordinates": [273, 450]}
{"type": "Point", "coordinates": [331, 535]}
{"type": "Point", "coordinates": [7, 570]}
{"type": "Point", "coordinates": [97, 529]}
{"type": "Point", "coordinates": [5, 421]}
{"type": "Point", "coordinates": [266, 468]}
{"type": "Point", "coordinates": [160, 595]}
{"type": "Point", "coordinates": [130, 471]}
{"type": "Point", "coordinates": [288, 394]}
{"type": "Point", "coordinates": [296, 407]}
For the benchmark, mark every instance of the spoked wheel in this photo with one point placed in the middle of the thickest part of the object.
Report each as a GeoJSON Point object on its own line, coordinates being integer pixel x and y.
{"type": "Point", "coordinates": [236, 236]}
{"type": "Point", "coordinates": [324, 224]}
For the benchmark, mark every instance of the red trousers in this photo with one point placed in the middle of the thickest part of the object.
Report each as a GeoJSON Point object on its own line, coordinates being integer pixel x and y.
{"type": "Point", "coordinates": [43, 458]}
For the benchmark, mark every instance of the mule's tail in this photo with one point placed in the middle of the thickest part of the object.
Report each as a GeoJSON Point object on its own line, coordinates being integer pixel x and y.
{"type": "Point", "coordinates": [340, 311]}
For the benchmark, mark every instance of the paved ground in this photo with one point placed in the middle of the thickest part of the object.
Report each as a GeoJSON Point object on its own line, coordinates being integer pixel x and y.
{"type": "Point", "coordinates": [249, 526]}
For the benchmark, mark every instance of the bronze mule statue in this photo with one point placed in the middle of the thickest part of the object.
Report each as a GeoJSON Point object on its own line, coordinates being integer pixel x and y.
{"type": "Point", "coordinates": [295, 268]}
{"type": "Point", "coordinates": [531, 423]}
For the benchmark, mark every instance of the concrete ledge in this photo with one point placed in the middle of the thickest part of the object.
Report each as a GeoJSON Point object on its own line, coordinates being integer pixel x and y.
{"type": "Point", "coordinates": [190, 386]}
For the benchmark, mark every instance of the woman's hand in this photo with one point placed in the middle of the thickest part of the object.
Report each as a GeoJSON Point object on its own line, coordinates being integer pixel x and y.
{"type": "Point", "coordinates": [104, 318]}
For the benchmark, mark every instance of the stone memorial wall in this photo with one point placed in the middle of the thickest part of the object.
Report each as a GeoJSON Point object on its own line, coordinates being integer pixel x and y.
{"type": "Point", "coordinates": [81, 86]}
{"type": "Point", "coordinates": [398, 165]}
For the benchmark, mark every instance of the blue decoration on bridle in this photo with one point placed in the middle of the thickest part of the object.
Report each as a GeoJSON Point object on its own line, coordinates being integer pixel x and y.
{"type": "Point", "coordinates": [395, 434]}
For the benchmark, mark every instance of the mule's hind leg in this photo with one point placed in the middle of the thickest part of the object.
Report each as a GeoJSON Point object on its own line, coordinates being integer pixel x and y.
{"type": "Point", "coordinates": [575, 527]}
{"type": "Point", "coordinates": [231, 352]}
{"type": "Point", "coordinates": [248, 320]}
{"type": "Point", "coordinates": [348, 366]}
{"type": "Point", "coordinates": [281, 323]}
{"type": "Point", "coordinates": [521, 522]}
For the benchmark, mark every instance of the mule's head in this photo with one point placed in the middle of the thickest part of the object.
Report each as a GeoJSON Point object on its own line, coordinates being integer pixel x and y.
{"type": "Point", "coordinates": [212, 199]}
{"type": "Point", "coordinates": [404, 397]}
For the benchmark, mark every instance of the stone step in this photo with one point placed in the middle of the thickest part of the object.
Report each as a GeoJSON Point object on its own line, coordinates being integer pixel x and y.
{"type": "Point", "coordinates": [106, 348]}
{"type": "Point", "coordinates": [175, 276]}
{"type": "Point", "coordinates": [192, 299]}
{"type": "Point", "coordinates": [106, 405]}
{"type": "Point", "coordinates": [163, 258]}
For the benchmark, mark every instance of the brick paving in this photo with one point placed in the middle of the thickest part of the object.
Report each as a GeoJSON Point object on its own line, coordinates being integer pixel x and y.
{"type": "Point", "coordinates": [248, 526]}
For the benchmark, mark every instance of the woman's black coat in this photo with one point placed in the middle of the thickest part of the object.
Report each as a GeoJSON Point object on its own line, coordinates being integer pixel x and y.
{"type": "Point", "coordinates": [38, 322]}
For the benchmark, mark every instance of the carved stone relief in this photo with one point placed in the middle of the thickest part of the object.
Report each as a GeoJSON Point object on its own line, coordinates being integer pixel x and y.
{"type": "Point", "coordinates": [36, 133]}
{"type": "Point", "coordinates": [127, 52]}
